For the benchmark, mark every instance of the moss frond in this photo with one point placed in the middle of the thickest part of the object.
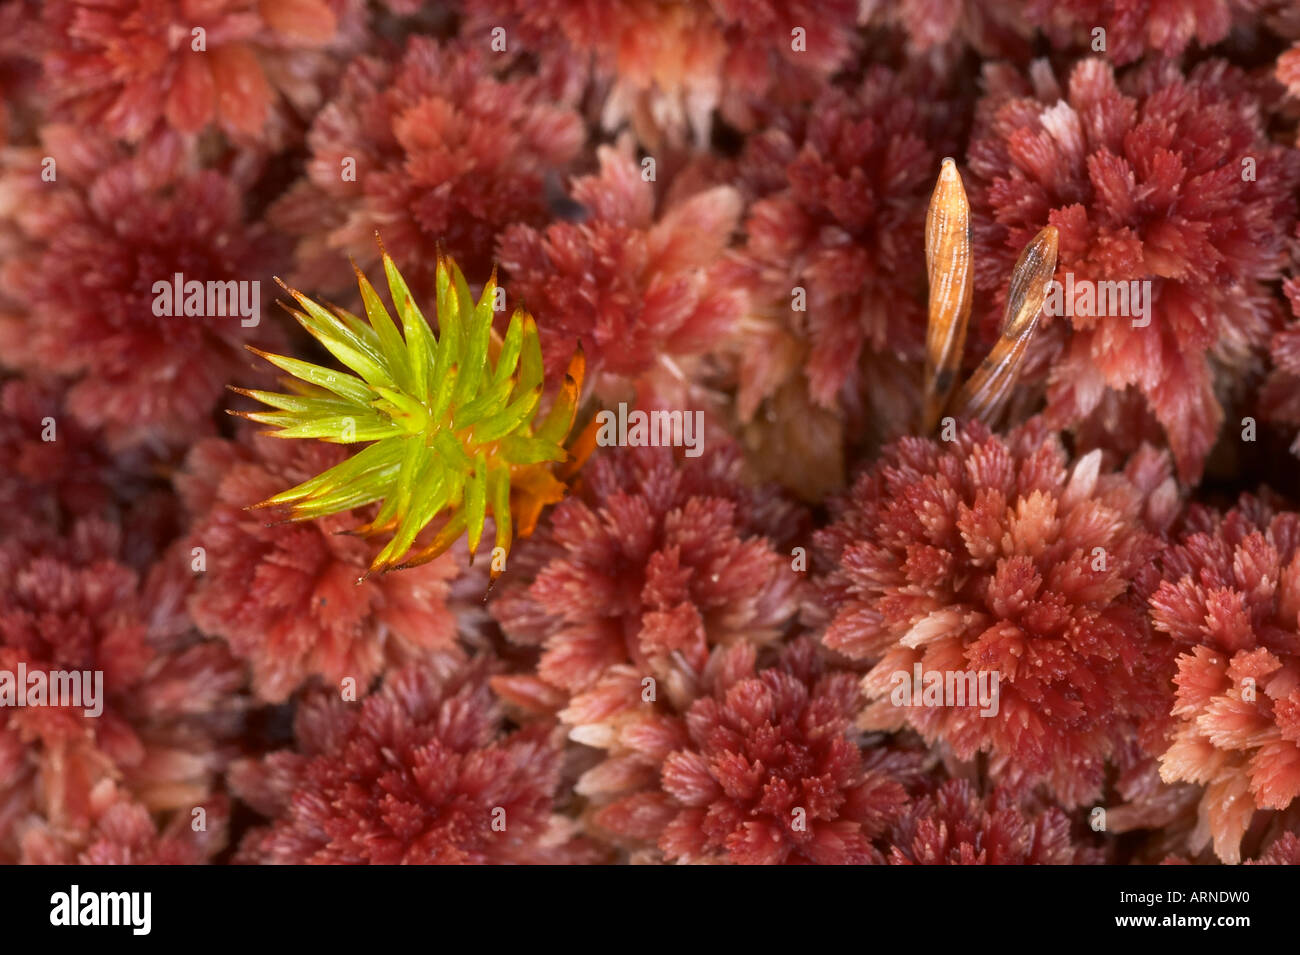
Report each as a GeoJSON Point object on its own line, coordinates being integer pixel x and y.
{"type": "Point", "coordinates": [449, 419]}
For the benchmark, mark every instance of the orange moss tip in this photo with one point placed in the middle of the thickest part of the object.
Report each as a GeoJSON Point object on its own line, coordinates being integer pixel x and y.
{"type": "Point", "coordinates": [582, 448]}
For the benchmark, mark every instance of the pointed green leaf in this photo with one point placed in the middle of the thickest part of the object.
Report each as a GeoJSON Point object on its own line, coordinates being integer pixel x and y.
{"type": "Point", "coordinates": [425, 506]}
{"type": "Point", "coordinates": [508, 357]}
{"type": "Point", "coordinates": [365, 462]}
{"type": "Point", "coordinates": [339, 382]}
{"type": "Point", "coordinates": [530, 360]}
{"type": "Point", "coordinates": [340, 341]}
{"type": "Point", "coordinates": [445, 537]}
{"type": "Point", "coordinates": [474, 365]}
{"type": "Point", "coordinates": [343, 429]}
{"type": "Point", "coordinates": [476, 501]}
{"type": "Point", "coordinates": [351, 495]}
{"type": "Point", "coordinates": [488, 403]}
{"type": "Point", "coordinates": [299, 404]}
{"type": "Point", "coordinates": [445, 443]}
{"type": "Point", "coordinates": [447, 361]}
{"type": "Point", "coordinates": [442, 391]}
{"type": "Point", "coordinates": [335, 503]}
{"type": "Point", "coordinates": [390, 342]}
{"type": "Point", "coordinates": [516, 414]}
{"type": "Point", "coordinates": [464, 307]}
{"type": "Point", "coordinates": [499, 495]}
{"type": "Point", "coordinates": [414, 327]}
{"type": "Point", "coordinates": [415, 462]}
{"type": "Point", "coordinates": [358, 328]}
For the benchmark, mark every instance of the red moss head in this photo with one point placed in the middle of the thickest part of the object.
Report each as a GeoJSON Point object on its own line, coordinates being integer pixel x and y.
{"type": "Point", "coordinates": [168, 706]}
{"type": "Point", "coordinates": [129, 66]}
{"type": "Point", "coordinates": [668, 67]}
{"type": "Point", "coordinates": [955, 826]}
{"type": "Point", "coordinates": [1155, 177]}
{"type": "Point", "coordinates": [1284, 850]}
{"type": "Point", "coordinates": [1000, 557]}
{"type": "Point", "coordinates": [52, 466]}
{"type": "Point", "coordinates": [1280, 398]}
{"type": "Point", "coordinates": [421, 771]}
{"type": "Point", "coordinates": [653, 563]}
{"type": "Point", "coordinates": [96, 243]}
{"type": "Point", "coordinates": [285, 596]}
{"type": "Point", "coordinates": [1133, 28]}
{"type": "Point", "coordinates": [944, 30]}
{"type": "Point", "coordinates": [827, 354]}
{"type": "Point", "coordinates": [631, 286]}
{"type": "Point", "coordinates": [766, 770]}
{"type": "Point", "coordinates": [1230, 599]}
{"type": "Point", "coordinates": [439, 149]}
{"type": "Point", "coordinates": [840, 214]}
{"type": "Point", "coordinates": [123, 832]}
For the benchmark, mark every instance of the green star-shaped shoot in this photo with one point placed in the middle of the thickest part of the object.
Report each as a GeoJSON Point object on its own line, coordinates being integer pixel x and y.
{"type": "Point", "coordinates": [450, 421]}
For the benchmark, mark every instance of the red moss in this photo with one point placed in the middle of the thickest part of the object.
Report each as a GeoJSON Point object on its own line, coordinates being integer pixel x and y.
{"type": "Point", "coordinates": [840, 214]}
{"type": "Point", "coordinates": [948, 28]}
{"type": "Point", "coordinates": [20, 44]}
{"type": "Point", "coordinates": [1287, 70]}
{"type": "Point", "coordinates": [999, 555]}
{"type": "Point", "coordinates": [52, 467]}
{"type": "Point", "coordinates": [1143, 177]}
{"type": "Point", "coordinates": [169, 701]}
{"type": "Point", "coordinates": [633, 287]}
{"type": "Point", "coordinates": [82, 282]}
{"type": "Point", "coordinates": [1231, 597]}
{"type": "Point", "coordinates": [652, 564]}
{"type": "Point", "coordinates": [415, 773]}
{"type": "Point", "coordinates": [1280, 398]}
{"type": "Point", "coordinates": [667, 67]}
{"type": "Point", "coordinates": [123, 832]}
{"type": "Point", "coordinates": [955, 826]}
{"type": "Point", "coordinates": [285, 597]}
{"type": "Point", "coordinates": [1136, 27]}
{"type": "Point", "coordinates": [833, 265]}
{"type": "Point", "coordinates": [1285, 850]}
{"type": "Point", "coordinates": [449, 146]}
{"type": "Point", "coordinates": [765, 770]}
{"type": "Point", "coordinates": [127, 66]}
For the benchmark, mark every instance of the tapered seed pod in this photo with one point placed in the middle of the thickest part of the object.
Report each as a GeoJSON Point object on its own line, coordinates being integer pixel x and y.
{"type": "Point", "coordinates": [948, 264]}
{"type": "Point", "coordinates": [985, 394]}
